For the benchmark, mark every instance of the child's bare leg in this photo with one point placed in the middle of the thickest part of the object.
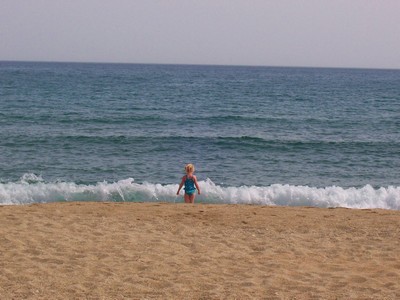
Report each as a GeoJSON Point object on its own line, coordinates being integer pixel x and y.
{"type": "Point", "coordinates": [191, 198]}
{"type": "Point", "coordinates": [186, 198]}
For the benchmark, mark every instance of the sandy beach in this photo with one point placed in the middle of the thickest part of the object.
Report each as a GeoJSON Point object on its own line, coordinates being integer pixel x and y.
{"type": "Point", "coordinates": [101, 250]}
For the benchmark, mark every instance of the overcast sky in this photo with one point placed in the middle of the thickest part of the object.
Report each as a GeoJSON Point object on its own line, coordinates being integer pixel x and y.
{"type": "Point", "coordinates": [331, 33]}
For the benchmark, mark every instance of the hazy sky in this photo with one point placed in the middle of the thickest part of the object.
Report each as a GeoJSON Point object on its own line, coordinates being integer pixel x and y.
{"type": "Point", "coordinates": [333, 33]}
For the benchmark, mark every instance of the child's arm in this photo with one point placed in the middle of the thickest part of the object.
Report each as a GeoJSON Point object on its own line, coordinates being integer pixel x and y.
{"type": "Point", "coordinates": [181, 185]}
{"type": "Point", "coordinates": [196, 184]}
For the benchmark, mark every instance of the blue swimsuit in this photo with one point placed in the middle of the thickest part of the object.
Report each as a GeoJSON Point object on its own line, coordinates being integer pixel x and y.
{"type": "Point", "coordinates": [190, 189]}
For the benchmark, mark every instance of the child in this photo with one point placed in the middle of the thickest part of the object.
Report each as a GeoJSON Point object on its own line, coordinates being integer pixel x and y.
{"type": "Point", "coordinates": [190, 182]}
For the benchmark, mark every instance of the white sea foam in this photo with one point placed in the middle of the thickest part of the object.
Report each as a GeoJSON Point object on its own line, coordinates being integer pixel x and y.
{"type": "Point", "coordinates": [33, 189]}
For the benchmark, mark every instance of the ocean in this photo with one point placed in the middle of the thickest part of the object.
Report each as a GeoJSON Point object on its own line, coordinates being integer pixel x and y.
{"type": "Point", "coordinates": [256, 135]}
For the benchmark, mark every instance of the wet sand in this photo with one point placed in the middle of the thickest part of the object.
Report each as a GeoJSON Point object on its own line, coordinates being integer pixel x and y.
{"type": "Point", "coordinates": [178, 251]}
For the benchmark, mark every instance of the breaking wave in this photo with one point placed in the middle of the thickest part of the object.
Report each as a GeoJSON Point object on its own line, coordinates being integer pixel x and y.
{"type": "Point", "coordinates": [33, 189]}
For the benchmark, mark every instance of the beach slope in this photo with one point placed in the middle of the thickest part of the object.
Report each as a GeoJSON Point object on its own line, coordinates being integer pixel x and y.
{"type": "Point", "coordinates": [98, 250]}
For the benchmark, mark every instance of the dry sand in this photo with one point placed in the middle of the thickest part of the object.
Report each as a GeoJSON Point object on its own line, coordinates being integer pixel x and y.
{"type": "Point", "coordinates": [178, 251]}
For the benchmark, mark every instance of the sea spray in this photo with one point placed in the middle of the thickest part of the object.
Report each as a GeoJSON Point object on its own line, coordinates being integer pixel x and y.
{"type": "Point", "coordinates": [33, 189]}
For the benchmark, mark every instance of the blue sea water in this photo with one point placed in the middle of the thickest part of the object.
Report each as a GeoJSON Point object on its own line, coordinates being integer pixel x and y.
{"type": "Point", "coordinates": [263, 135]}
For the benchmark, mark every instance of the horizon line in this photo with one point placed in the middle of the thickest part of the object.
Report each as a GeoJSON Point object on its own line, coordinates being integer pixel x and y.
{"type": "Point", "coordinates": [198, 64]}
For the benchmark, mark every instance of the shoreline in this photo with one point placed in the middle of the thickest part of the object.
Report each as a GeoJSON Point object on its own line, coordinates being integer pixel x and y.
{"type": "Point", "coordinates": [204, 251]}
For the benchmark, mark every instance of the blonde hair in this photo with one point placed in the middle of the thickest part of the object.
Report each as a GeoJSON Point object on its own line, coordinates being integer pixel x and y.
{"type": "Point", "coordinates": [189, 168]}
